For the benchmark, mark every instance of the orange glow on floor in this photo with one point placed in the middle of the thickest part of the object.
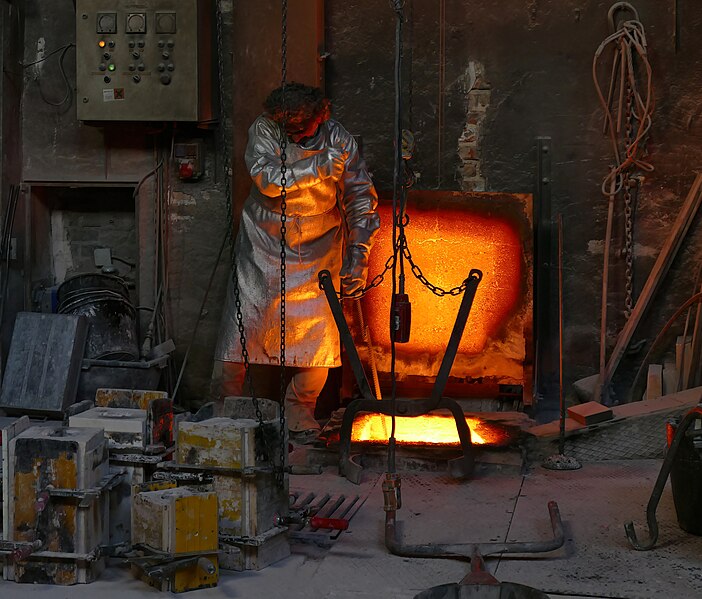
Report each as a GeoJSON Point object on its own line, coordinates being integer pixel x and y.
{"type": "Point", "coordinates": [446, 245]}
{"type": "Point", "coordinates": [431, 429]}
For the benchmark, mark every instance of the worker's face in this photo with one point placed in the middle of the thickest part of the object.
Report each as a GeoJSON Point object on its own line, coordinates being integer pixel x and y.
{"type": "Point", "coordinates": [301, 128]}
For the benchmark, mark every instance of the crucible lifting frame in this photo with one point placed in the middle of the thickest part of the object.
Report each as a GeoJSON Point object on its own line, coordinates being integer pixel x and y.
{"type": "Point", "coordinates": [461, 467]}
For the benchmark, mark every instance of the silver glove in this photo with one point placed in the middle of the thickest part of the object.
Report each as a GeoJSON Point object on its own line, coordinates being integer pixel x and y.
{"type": "Point", "coordinates": [354, 270]}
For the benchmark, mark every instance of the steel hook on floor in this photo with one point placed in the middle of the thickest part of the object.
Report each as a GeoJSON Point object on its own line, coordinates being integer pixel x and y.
{"type": "Point", "coordinates": [658, 488]}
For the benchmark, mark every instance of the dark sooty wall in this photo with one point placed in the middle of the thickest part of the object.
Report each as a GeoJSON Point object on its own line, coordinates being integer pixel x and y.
{"type": "Point", "coordinates": [535, 58]}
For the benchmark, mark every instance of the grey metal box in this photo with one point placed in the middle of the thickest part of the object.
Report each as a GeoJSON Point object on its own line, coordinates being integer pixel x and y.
{"type": "Point", "coordinates": [141, 60]}
{"type": "Point", "coordinates": [43, 365]}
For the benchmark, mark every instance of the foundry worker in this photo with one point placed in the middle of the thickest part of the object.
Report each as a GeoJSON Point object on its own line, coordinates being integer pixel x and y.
{"type": "Point", "coordinates": [331, 221]}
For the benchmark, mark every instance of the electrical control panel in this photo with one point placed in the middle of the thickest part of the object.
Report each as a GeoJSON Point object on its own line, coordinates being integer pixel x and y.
{"type": "Point", "coordinates": [143, 60]}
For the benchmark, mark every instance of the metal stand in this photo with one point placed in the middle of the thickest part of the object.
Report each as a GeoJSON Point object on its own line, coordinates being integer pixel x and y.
{"type": "Point", "coordinates": [460, 467]}
{"type": "Point", "coordinates": [561, 461]}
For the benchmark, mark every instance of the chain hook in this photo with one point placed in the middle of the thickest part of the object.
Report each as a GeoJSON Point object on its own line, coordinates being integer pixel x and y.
{"type": "Point", "coordinates": [620, 7]}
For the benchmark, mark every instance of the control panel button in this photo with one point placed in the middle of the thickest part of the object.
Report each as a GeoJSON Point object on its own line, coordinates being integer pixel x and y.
{"type": "Point", "coordinates": [166, 55]}
{"type": "Point", "coordinates": [107, 56]}
{"type": "Point", "coordinates": [165, 21]}
{"type": "Point", "coordinates": [102, 66]}
{"type": "Point", "coordinates": [170, 43]}
{"type": "Point", "coordinates": [136, 54]}
{"type": "Point", "coordinates": [171, 67]}
{"type": "Point", "coordinates": [106, 22]}
{"type": "Point", "coordinates": [161, 43]}
{"type": "Point", "coordinates": [165, 79]}
{"type": "Point", "coordinates": [141, 66]}
{"type": "Point", "coordinates": [132, 67]}
{"type": "Point", "coordinates": [161, 67]}
{"type": "Point", "coordinates": [106, 79]}
{"type": "Point", "coordinates": [141, 43]}
{"type": "Point", "coordinates": [136, 22]}
{"type": "Point", "coordinates": [136, 78]}
{"type": "Point", "coordinates": [111, 44]}
{"type": "Point", "coordinates": [111, 67]}
{"type": "Point", "coordinates": [131, 43]}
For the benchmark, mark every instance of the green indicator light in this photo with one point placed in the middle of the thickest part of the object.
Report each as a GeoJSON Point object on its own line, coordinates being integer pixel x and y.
{"type": "Point", "coordinates": [111, 67]}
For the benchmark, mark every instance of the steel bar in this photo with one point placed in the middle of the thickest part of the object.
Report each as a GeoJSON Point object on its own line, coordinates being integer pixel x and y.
{"type": "Point", "coordinates": [542, 266]}
{"type": "Point", "coordinates": [561, 399]}
{"type": "Point", "coordinates": [472, 282]}
{"type": "Point", "coordinates": [468, 550]}
{"type": "Point", "coordinates": [327, 285]}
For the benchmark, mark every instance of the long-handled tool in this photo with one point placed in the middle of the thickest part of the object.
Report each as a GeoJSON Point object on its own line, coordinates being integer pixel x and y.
{"type": "Point", "coordinates": [560, 461]}
{"type": "Point", "coordinates": [690, 417]}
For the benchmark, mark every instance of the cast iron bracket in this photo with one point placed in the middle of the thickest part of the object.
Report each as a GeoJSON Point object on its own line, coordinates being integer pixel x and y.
{"type": "Point", "coordinates": [461, 467]}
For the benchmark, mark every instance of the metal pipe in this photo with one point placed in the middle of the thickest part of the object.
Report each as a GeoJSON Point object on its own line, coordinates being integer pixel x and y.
{"type": "Point", "coordinates": [689, 418]}
{"type": "Point", "coordinates": [467, 550]}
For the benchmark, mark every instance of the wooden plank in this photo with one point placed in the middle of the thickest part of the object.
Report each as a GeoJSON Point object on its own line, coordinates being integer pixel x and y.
{"type": "Point", "coordinates": [654, 381]}
{"type": "Point", "coordinates": [683, 360]}
{"type": "Point", "coordinates": [658, 272]}
{"type": "Point", "coordinates": [589, 413]}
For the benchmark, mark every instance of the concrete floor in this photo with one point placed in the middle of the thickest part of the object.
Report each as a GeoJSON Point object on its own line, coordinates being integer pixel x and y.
{"type": "Point", "coordinates": [596, 560]}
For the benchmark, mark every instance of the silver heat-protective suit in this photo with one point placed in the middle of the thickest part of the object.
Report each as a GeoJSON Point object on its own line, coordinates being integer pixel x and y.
{"type": "Point", "coordinates": [332, 218]}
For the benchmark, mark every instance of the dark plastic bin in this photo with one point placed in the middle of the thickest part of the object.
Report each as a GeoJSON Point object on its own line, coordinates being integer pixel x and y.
{"type": "Point", "coordinates": [114, 374]}
{"type": "Point", "coordinates": [686, 482]}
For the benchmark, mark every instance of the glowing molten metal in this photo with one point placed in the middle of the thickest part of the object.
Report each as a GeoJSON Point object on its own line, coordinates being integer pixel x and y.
{"type": "Point", "coordinates": [424, 430]}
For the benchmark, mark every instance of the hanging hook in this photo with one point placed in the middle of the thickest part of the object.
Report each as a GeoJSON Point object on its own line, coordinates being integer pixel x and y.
{"type": "Point", "coordinates": [620, 7]}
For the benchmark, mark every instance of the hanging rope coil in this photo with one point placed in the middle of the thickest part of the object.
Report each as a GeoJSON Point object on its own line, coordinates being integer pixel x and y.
{"type": "Point", "coordinates": [628, 110]}
{"type": "Point", "coordinates": [630, 56]}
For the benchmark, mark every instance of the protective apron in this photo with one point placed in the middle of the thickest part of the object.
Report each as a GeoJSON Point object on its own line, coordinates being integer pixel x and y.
{"type": "Point", "coordinates": [331, 217]}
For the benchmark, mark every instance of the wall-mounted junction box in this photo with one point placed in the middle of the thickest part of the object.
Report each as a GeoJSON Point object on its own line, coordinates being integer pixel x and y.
{"type": "Point", "coordinates": [144, 60]}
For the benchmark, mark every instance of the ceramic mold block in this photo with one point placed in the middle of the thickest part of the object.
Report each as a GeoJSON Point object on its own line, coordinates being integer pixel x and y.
{"type": "Point", "coordinates": [178, 520]}
{"type": "Point", "coordinates": [59, 458]}
{"type": "Point", "coordinates": [125, 428]}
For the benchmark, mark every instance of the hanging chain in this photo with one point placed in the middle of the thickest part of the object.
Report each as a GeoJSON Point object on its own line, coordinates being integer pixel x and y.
{"type": "Point", "coordinates": [416, 271]}
{"type": "Point", "coordinates": [283, 231]}
{"type": "Point", "coordinates": [266, 454]}
{"type": "Point", "coordinates": [435, 289]}
{"type": "Point", "coordinates": [628, 209]}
